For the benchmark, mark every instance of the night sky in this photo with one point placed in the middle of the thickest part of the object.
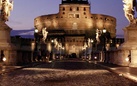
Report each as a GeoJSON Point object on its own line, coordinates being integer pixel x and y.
{"type": "Point", "coordinates": [24, 12]}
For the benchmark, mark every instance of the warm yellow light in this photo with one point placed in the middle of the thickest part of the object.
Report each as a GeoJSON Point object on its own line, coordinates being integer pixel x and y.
{"type": "Point", "coordinates": [36, 30]}
{"type": "Point", "coordinates": [63, 48]}
{"type": "Point", "coordinates": [4, 59]}
{"type": "Point", "coordinates": [83, 48]}
{"type": "Point", "coordinates": [92, 41]}
{"type": "Point", "coordinates": [49, 47]}
{"type": "Point", "coordinates": [32, 45]}
{"type": "Point", "coordinates": [117, 45]}
{"type": "Point", "coordinates": [127, 59]}
{"type": "Point", "coordinates": [104, 30]}
{"type": "Point", "coordinates": [95, 57]}
{"type": "Point", "coordinates": [111, 41]}
{"type": "Point", "coordinates": [52, 41]}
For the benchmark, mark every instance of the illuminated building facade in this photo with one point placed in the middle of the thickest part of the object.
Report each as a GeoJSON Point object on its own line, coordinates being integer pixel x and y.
{"type": "Point", "coordinates": [74, 24]}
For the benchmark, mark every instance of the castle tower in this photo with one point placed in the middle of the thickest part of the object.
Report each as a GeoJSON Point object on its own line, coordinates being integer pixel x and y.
{"type": "Point", "coordinates": [73, 24]}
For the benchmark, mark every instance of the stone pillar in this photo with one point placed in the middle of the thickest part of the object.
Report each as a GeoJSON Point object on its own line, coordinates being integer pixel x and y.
{"type": "Point", "coordinates": [114, 61]}
{"type": "Point", "coordinates": [130, 36]}
{"type": "Point", "coordinates": [133, 58]}
{"type": "Point", "coordinates": [4, 33]}
{"type": "Point", "coordinates": [122, 56]}
{"type": "Point", "coordinates": [130, 44]}
{"type": "Point", "coordinates": [5, 44]}
{"type": "Point", "coordinates": [10, 57]}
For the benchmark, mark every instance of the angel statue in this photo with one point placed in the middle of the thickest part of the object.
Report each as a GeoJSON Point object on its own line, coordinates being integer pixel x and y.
{"type": "Point", "coordinates": [55, 43]}
{"type": "Point", "coordinates": [5, 7]}
{"type": "Point", "coordinates": [89, 42]}
{"type": "Point", "coordinates": [128, 7]}
{"type": "Point", "coordinates": [44, 33]}
{"type": "Point", "coordinates": [97, 36]}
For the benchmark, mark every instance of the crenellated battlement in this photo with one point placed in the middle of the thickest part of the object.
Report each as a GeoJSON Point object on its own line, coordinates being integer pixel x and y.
{"type": "Point", "coordinates": [75, 2]}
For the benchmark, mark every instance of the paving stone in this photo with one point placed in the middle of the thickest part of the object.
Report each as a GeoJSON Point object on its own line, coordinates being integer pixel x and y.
{"type": "Point", "coordinates": [40, 76]}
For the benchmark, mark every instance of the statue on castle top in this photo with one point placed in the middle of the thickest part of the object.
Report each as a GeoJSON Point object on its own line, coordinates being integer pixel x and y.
{"type": "Point", "coordinates": [5, 7]}
{"type": "Point", "coordinates": [129, 9]}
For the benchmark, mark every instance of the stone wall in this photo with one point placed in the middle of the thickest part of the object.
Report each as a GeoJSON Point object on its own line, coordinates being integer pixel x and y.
{"type": "Point", "coordinates": [119, 57]}
{"type": "Point", "coordinates": [25, 48]}
{"type": "Point", "coordinates": [75, 16]}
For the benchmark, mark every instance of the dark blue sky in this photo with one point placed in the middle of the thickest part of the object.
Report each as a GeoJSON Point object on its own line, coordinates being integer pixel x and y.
{"type": "Point", "coordinates": [24, 12]}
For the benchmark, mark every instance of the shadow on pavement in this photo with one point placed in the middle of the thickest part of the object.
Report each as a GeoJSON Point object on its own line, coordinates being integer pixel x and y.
{"type": "Point", "coordinates": [67, 65]}
{"type": "Point", "coordinates": [110, 65]}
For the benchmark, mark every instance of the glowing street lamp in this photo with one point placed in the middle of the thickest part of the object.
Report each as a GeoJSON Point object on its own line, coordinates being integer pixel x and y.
{"type": "Point", "coordinates": [117, 45]}
{"type": "Point", "coordinates": [36, 31]}
{"type": "Point", "coordinates": [92, 40]}
{"type": "Point", "coordinates": [104, 30]}
{"type": "Point", "coordinates": [4, 59]}
{"type": "Point", "coordinates": [127, 59]}
{"type": "Point", "coordinates": [52, 41]}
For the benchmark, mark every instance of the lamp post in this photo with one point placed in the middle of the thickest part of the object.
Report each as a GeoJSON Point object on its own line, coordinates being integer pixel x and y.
{"type": "Point", "coordinates": [85, 47]}
{"type": "Point", "coordinates": [32, 50]}
{"type": "Point", "coordinates": [89, 48]}
{"type": "Point", "coordinates": [91, 54]}
{"type": "Point", "coordinates": [52, 49]}
{"type": "Point", "coordinates": [36, 45]}
{"type": "Point", "coordinates": [63, 51]}
{"type": "Point", "coordinates": [60, 51]}
{"type": "Point", "coordinates": [36, 39]}
{"type": "Point", "coordinates": [84, 50]}
{"type": "Point", "coordinates": [104, 45]}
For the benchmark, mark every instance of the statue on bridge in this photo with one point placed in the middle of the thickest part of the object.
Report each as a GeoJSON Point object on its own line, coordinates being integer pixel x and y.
{"type": "Point", "coordinates": [44, 33]}
{"type": "Point", "coordinates": [129, 8]}
{"type": "Point", "coordinates": [5, 7]}
{"type": "Point", "coordinates": [9, 49]}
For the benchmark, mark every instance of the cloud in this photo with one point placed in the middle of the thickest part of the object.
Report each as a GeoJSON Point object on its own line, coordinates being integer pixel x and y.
{"type": "Point", "coordinates": [23, 33]}
{"type": "Point", "coordinates": [16, 25]}
{"type": "Point", "coordinates": [27, 33]}
{"type": "Point", "coordinates": [14, 22]}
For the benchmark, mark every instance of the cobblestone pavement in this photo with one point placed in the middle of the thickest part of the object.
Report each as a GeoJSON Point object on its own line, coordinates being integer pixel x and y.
{"type": "Point", "coordinates": [58, 74]}
{"type": "Point", "coordinates": [5, 69]}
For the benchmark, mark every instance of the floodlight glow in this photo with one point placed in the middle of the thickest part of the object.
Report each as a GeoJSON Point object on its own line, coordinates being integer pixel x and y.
{"type": "Point", "coordinates": [95, 57]}
{"type": "Point", "coordinates": [104, 30]}
{"type": "Point", "coordinates": [4, 59]}
{"type": "Point", "coordinates": [127, 59]}
{"type": "Point", "coordinates": [36, 30]}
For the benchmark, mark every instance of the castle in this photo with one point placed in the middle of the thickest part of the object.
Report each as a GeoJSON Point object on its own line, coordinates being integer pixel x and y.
{"type": "Point", "coordinates": [73, 25]}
